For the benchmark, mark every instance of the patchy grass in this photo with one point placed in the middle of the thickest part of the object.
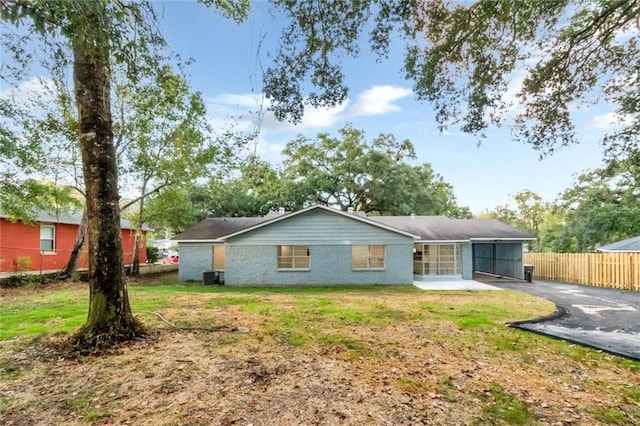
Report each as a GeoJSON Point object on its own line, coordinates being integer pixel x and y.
{"type": "Point", "coordinates": [503, 407]}
{"type": "Point", "coordinates": [312, 355]}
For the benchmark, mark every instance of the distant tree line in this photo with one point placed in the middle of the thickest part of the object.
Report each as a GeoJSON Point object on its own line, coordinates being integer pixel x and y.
{"type": "Point", "coordinates": [602, 206]}
{"type": "Point", "coordinates": [375, 177]}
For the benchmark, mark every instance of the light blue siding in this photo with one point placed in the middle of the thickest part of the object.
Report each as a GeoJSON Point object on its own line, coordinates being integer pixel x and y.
{"type": "Point", "coordinates": [329, 264]}
{"type": "Point", "coordinates": [318, 227]}
{"type": "Point", "coordinates": [467, 261]}
{"type": "Point", "coordinates": [252, 257]}
{"type": "Point", "coordinates": [195, 258]}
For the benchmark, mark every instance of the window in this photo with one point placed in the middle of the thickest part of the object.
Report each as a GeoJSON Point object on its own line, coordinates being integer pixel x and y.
{"type": "Point", "coordinates": [367, 257]}
{"type": "Point", "coordinates": [293, 257]}
{"type": "Point", "coordinates": [47, 238]}
{"type": "Point", "coordinates": [218, 257]}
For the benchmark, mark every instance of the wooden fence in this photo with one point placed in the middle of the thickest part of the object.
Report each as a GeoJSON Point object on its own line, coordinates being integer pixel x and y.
{"type": "Point", "coordinates": [609, 270]}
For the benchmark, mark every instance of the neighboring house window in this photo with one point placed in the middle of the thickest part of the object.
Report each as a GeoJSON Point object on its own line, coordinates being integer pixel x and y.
{"type": "Point", "coordinates": [293, 257]}
{"type": "Point", "coordinates": [218, 257]}
{"type": "Point", "coordinates": [47, 238]}
{"type": "Point", "coordinates": [367, 257]}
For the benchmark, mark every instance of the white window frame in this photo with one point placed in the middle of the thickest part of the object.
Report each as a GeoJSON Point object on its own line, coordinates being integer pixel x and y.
{"type": "Point", "coordinates": [52, 227]}
{"type": "Point", "coordinates": [370, 258]}
{"type": "Point", "coordinates": [300, 257]}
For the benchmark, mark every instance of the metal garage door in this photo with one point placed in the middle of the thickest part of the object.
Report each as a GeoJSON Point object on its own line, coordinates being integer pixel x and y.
{"type": "Point", "coordinates": [504, 259]}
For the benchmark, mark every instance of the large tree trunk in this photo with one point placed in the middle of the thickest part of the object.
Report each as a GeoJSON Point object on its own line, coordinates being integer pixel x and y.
{"type": "Point", "coordinates": [72, 265]}
{"type": "Point", "coordinates": [110, 319]}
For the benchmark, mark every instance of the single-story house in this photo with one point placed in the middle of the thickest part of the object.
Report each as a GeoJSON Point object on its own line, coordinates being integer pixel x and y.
{"type": "Point", "coordinates": [630, 245]}
{"type": "Point", "coordinates": [46, 244]}
{"type": "Point", "coordinates": [320, 245]}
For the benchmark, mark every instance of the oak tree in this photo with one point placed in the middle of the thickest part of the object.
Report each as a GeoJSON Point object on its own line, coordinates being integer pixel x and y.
{"type": "Point", "coordinates": [374, 177]}
{"type": "Point", "coordinates": [467, 58]}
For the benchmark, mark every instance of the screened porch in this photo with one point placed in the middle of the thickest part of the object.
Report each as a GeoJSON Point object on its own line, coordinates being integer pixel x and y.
{"type": "Point", "coordinates": [441, 260]}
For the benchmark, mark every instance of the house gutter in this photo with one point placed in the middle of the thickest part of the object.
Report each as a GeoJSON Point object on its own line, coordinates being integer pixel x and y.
{"type": "Point", "coordinates": [503, 239]}
{"type": "Point", "coordinates": [199, 241]}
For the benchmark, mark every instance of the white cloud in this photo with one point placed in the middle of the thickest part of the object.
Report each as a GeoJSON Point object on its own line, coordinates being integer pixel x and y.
{"type": "Point", "coordinates": [33, 93]}
{"type": "Point", "coordinates": [246, 110]}
{"type": "Point", "coordinates": [608, 121]}
{"type": "Point", "coordinates": [378, 100]}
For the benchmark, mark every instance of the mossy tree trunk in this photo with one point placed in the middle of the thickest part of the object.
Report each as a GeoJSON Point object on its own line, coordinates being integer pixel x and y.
{"type": "Point", "coordinates": [110, 319]}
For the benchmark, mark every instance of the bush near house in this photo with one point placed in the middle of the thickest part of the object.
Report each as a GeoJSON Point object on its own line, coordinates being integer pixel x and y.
{"type": "Point", "coordinates": [22, 264]}
{"type": "Point", "coordinates": [153, 254]}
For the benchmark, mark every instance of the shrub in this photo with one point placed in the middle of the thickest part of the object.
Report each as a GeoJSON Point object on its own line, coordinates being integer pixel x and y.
{"type": "Point", "coordinates": [153, 254]}
{"type": "Point", "coordinates": [20, 280]}
{"type": "Point", "coordinates": [22, 263]}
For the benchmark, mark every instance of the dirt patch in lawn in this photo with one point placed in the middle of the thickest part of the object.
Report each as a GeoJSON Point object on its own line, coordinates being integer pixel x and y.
{"type": "Point", "coordinates": [351, 358]}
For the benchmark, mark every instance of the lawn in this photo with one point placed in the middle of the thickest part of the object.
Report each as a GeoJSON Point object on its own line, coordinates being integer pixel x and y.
{"type": "Point", "coordinates": [318, 355]}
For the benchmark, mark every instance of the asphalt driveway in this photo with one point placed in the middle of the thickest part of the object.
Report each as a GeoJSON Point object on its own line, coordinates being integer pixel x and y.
{"type": "Point", "coordinates": [601, 318]}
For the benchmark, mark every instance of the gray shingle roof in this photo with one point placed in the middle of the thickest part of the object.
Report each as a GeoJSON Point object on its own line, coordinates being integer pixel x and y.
{"type": "Point", "coordinates": [217, 227]}
{"type": "Point", "coordinates": [73, 217]}
{"type": "Point", "coordinates": [630, 244]}
{"type": "Point", "coordinates": [442, 228]}
{"type": "Point", "coordinates": [428, 228]}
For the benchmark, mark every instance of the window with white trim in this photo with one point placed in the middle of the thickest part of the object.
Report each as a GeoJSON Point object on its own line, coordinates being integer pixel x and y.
{"type": "Point", "coordinates": [370, 256]}
{"type": "Point", "coordinates": [293, 257]}
{"type": "Point", "coordinates": [47, 238]}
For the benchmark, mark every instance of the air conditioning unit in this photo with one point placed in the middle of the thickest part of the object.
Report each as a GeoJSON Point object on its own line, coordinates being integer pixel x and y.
{"type": "Point", "coordinates": [213, 278]}
{"type": "Point", "coordinates": [209, 278]}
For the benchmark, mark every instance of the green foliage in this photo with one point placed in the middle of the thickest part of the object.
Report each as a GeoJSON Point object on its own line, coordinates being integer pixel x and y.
{"type": "Point", "coordinates": [153, 254]}
{"type": "Point", "coordinates": [501, 406]}
{"type": "Point", "coordinates": [602, 206]}
{"type": "Point", "coordinates": [541, 219]}
{"type": "Point", "coordinates": [464, 56]}
{"type": "Point", "coordinates": [612, 416]}
{"type": "Point", "coordinates": [373, 177]}
{"type": "Point", "coordinates": [254, 189]}
{"type": "Point", "coordinates": [100, 34]}
{"type": "Point", "coordinates": [171, 209]}
{"type": "Point", "coordinates": [13, 281]}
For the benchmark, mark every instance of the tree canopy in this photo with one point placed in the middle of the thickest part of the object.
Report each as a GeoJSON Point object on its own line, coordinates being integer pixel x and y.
{"type": "Point", "coordinates": [600, 207]}
{"type": "Point", "coordinates": [466, 59]}
{"type": "Point", "coordinates": [374, 177]}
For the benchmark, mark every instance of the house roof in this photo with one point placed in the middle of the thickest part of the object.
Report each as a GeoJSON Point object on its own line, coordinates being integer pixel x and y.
{"type": "Point", "coordinates": [423, 228]}
{"type": "Point", "coordinates": [223, 228]}
{"type": "Point", "coordinates": [72, 217]}
{"type": "Point", "coordinates": [630, 244]}
{"type": "Point", "coordinates": [442, 228]}
{"type": "Point", "coordinates": [217, 227]}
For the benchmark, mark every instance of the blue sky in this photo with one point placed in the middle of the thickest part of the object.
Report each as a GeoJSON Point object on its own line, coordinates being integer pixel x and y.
{"type": "Point", "coordinates": [226, 70]}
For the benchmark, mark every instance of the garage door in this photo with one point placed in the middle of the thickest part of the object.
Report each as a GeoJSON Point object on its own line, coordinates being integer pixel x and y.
{"type": "Point", "coordinates": [504, 259]}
